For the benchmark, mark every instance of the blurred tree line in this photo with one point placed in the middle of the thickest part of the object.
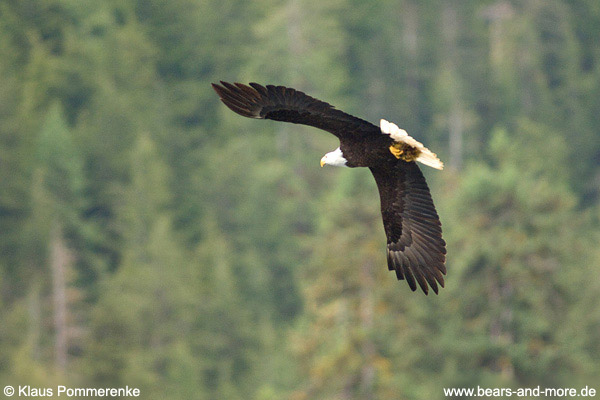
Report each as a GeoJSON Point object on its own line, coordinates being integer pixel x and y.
{"type": "Point", "coordinates": [150, 237]}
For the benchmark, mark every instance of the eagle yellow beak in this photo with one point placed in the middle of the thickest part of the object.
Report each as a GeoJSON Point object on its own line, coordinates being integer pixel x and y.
{"type": "Point", "coordinates": [322, 162]}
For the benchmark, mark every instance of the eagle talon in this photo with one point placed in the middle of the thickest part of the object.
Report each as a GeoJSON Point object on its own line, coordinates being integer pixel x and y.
{"type": "Point", "coordinates": [396, 151]}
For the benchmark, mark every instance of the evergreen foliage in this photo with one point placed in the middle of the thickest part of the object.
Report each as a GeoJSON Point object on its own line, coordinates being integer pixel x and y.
{"type": "Point", "coordinates": [150, 237]}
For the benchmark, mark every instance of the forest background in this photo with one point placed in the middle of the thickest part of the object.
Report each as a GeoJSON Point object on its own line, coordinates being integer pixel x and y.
{"type": "Point", "coordinates": [150, 237]}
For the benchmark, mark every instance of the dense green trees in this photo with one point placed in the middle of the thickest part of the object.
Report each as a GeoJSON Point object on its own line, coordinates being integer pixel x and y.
{"type": "Point", "coordinates": [531, 256]}
{"type": "Point", "coordinates": [149, 237]}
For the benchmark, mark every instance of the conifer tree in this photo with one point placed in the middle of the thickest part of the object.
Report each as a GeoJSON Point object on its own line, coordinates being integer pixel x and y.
{"type": "Point", "coordinates": [517, 281]}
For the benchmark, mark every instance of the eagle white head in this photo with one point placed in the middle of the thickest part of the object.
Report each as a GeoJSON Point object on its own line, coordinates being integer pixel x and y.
{"type": "Point", "coordinates": [335, 158]}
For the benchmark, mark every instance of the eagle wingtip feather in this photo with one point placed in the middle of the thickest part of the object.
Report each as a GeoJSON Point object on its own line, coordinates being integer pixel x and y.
{"type": "Point", "coordinates": [217, 88]}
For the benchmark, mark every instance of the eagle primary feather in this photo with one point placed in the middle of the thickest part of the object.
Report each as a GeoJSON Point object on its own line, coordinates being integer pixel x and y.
{"type": "Point", "coordinates": [289, 105]}
{"type": "Point", "coordinates": [416, 250]}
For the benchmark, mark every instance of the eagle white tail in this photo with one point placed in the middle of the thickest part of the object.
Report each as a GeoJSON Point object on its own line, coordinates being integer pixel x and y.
{"type": "Point", "coordinates": [425, 156]}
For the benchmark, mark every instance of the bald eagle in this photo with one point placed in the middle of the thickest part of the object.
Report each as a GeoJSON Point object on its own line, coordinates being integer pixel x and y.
{"type": "Point", "coordinates": [415, 248]}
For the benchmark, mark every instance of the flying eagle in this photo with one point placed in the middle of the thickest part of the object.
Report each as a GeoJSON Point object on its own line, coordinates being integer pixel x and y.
{"type": "Point", "coordinates": [415, 248]}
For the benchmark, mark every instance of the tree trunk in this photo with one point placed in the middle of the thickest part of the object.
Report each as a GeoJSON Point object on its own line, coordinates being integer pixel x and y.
{"type": "Point", "coordinates": [35, 326]}
{"type": "Point", "coordinates": [366, 318]}
{"type": "Point", "coordinates": [60, 258]}
{"type": "Point", "coordinates": [455, 114]}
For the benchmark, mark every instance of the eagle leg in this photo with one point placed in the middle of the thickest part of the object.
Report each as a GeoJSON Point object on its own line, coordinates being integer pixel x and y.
{"type": "Point", "coordinates": [396, 151]}
{"type": "Point", "coordinates": [404, 151]}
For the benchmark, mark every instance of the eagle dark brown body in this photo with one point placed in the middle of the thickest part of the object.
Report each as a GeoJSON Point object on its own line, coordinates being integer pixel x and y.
{"type": "Point", "coordinates": [415, 248]}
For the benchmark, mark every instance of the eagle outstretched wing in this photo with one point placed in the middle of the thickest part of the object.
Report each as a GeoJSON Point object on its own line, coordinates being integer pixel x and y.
{"type": "Point", "coordinates": [280, 103]}
{"type": "Point", "coordinates": [415, 248]}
